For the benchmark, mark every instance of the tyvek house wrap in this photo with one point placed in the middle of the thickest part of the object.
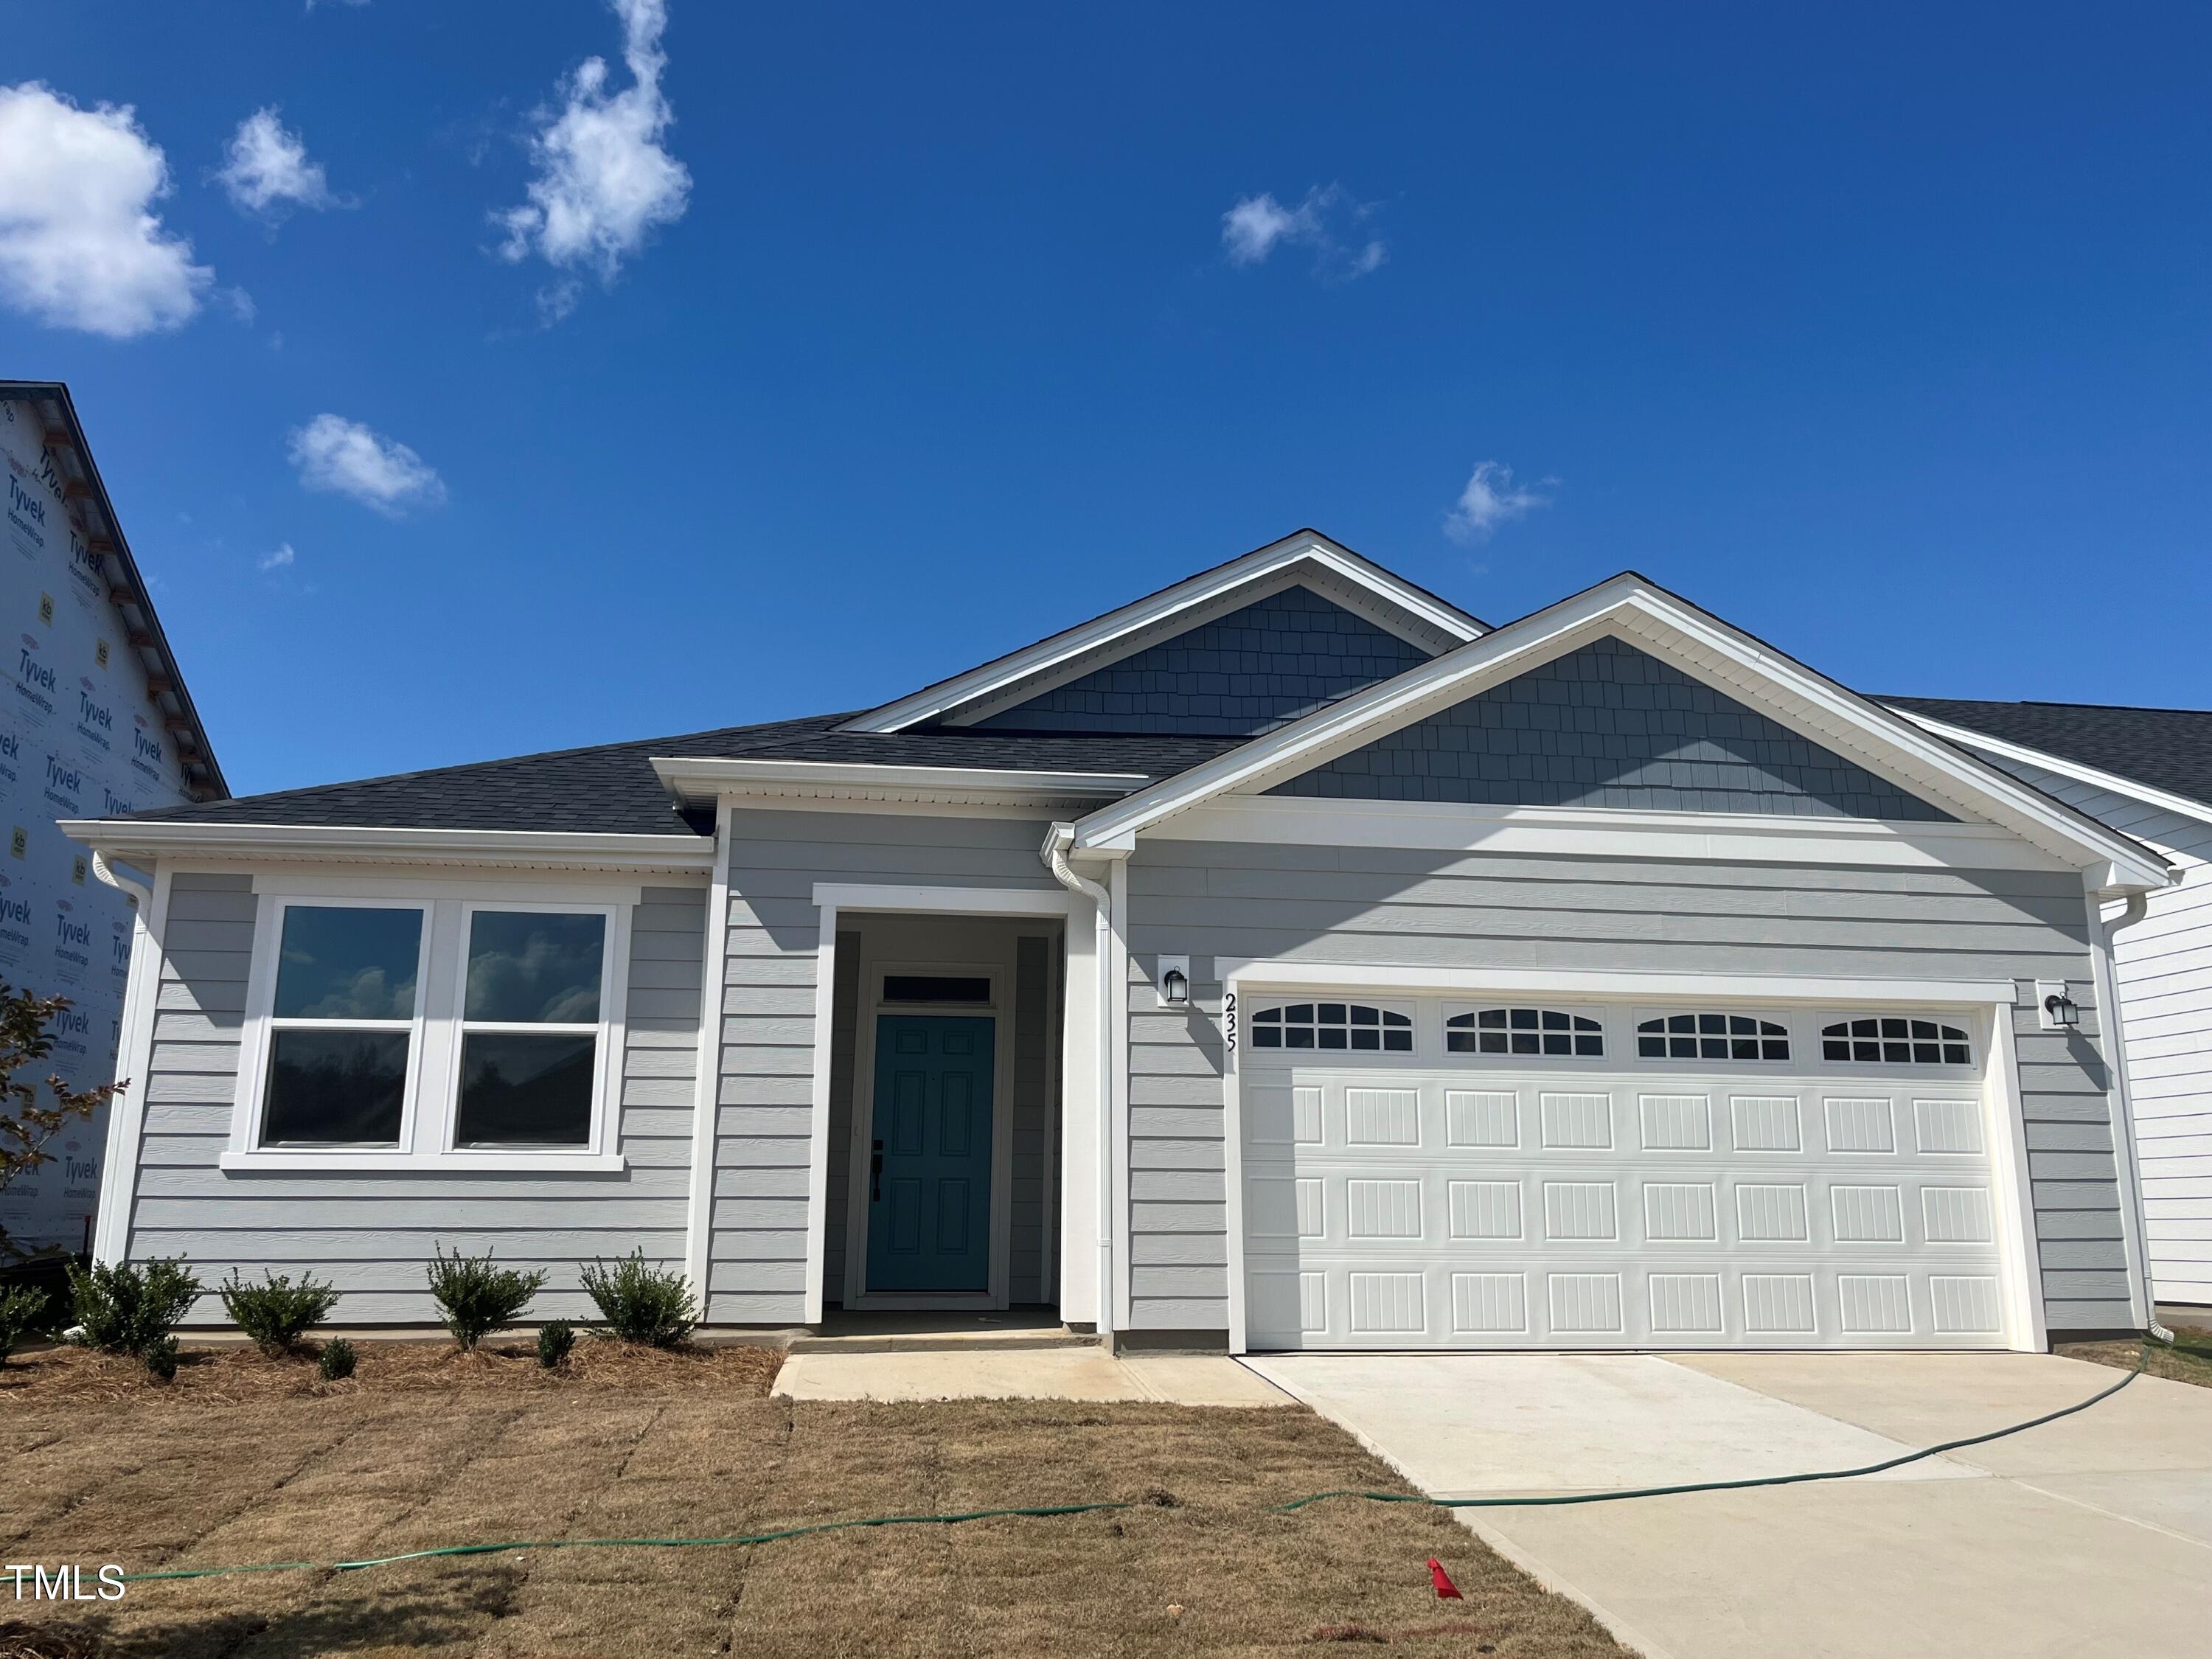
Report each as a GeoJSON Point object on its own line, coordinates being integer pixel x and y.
{"type": "Point", "coordinates": [79, 738]}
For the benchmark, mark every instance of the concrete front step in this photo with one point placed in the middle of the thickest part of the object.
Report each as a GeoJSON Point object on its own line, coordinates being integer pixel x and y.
{"type": "Point", "coordinates": [944, 1341]}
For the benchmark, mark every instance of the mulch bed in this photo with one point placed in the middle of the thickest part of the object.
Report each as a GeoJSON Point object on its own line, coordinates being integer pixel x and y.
{"type": "Point", "coordinates": [237, 1373]}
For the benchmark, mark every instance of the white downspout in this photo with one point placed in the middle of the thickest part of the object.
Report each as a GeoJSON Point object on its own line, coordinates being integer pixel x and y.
{"type": "Point", "coordinates": [2137, 904]}
{"type": "Point", "coordinates": [1057, 841]}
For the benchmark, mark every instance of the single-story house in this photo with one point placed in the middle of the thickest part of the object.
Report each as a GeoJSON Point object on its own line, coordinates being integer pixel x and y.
{"type": "Point", "coordinates": [2149, 773]}
{"type": "Point", "coordinates": [1286, 959]}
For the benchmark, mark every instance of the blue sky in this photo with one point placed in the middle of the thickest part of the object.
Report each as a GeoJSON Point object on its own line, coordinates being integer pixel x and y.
{"type": "Point", "coordinates": [898, 336]}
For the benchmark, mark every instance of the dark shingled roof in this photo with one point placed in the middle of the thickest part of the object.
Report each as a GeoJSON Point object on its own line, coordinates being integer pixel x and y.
{"type": "Point", "coordinates": [613, 787]}
{"type": "Point", "coordinates": [2169, 749]}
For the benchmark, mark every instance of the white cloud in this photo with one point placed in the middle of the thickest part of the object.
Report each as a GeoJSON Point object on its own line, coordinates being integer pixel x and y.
{"type": "Point", "coordinates": [1491, 498]}
{"type": "Point", "coordinates": [1327, 220]}
{"type": "Point", "coordinates": [266, 169]}
{"type": "Point", "coordinates": [604, 179]}
{"type": "Point", "coordinates": [80, 244]}
{"type": "Point", "coordinates": [337, 454]}
{"type": "Point", "coordinates": [281, 559]}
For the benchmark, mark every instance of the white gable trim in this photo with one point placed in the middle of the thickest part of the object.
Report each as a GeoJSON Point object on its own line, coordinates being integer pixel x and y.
{"type": "Point", "coordinates": [2133, 788]}
{"type": "Point", "coordinates": [1633, 610]}
{"type": "Point", "coordinates": [1395, 604]}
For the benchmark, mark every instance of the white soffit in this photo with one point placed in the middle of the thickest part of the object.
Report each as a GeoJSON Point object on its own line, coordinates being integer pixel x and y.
{"type": "Point", "coordinates": [1632, 609]}
{"type": "Point", "coordinates": [1308, 557]}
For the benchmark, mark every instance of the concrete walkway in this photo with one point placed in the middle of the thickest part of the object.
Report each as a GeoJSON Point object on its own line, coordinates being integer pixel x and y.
{"type": "Point", "coordinates": [1083, 1373]}
{"type": "Point", "coordinates": [2091, 1535]}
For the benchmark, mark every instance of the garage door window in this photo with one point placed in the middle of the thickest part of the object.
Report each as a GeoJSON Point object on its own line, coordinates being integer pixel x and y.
{"type": "Point", "coordinates": [1525, 1031]}
{"type": "Point", "coordinates": [1711, 1037]}
{"type": "Point", "coordinates": [1895, 1040]}
{"type": "Point", "coordinates": [1352, 1025]}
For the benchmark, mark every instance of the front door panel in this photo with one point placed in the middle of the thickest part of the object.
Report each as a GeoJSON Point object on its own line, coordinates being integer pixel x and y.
{"type": "Point", "coordinates": [929, 1173]}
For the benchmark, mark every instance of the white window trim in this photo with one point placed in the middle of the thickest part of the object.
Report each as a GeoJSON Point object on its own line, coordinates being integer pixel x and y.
{"type": "Point", "coordinates": [1780, 1017]}
{"type": "Point", "coordinates": [609, 1031]}
{"type": "Point", "coordinates": [431, 1100]}
{"type": "Point", "coordinates": [1408, 1011]}
{"type": "Point", "coordinates": [1609, 1039]}
{"type": "Point", "coordinates": [1821, 1018]}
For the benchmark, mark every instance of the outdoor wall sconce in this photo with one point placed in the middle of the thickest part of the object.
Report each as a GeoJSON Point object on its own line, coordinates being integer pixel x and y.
{"type": "Point", "coordinates": [1174, 988]}
{"type": "Point", "coordinates": [2062, 1012]}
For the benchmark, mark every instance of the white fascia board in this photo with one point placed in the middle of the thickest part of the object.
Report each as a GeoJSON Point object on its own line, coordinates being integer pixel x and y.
{"type": "Point", "coordinates": [1628, 607]}
{"type": "Point", "coordinates": [140, 840]}
{"type": "Point", "coordinates": [705, 779]}
{"type": "Point", "coordinates": [932, 701]}
{"type": "Point", "coordinates": [2096, 777]}
{"type": "Point", "coordinates": [1602, 832]}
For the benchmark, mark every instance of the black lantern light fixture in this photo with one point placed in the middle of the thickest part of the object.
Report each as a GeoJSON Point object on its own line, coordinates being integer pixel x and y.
{"type": "Point", "coordinates": [2065, 1012]}
{"type": "Point", "coordinates": [1174, 988]}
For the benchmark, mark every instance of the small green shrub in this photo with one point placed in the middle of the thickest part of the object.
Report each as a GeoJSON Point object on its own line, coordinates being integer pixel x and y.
{"type": "Point", "coordinates": [278, 1313]}
{"type": "Point", "coordinates": [337, 1360]}
{"type": "Point", "coordinates": [476, 1298]}
{"type": "Point", "coordinates": [555, 1338]}
{"type": "Point", "coordinates": [161, 1358]}
{"type": "Point", "coordinates": [128, 1308]}
{"type": "Point", "coordinates": [641, 1304]}
{"type": "Point", "coordinates": [22, 1313]}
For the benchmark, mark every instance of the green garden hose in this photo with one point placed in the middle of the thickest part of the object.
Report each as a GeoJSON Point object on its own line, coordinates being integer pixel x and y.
{"type": "Point", "coordinates": [1046, 1511]}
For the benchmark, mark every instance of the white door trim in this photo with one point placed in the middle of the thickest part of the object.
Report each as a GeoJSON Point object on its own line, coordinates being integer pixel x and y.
{"type": "Point", "coordinates": [830, 898]}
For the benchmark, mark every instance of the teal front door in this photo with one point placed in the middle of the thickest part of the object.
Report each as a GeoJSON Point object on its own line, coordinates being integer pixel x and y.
{"type": "Point", "coordinates": [929, 1167]}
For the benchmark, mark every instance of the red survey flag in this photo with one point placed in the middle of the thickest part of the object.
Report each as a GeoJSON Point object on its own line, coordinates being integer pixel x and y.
{"type": "Point", "coordinates": [1446, 1591]}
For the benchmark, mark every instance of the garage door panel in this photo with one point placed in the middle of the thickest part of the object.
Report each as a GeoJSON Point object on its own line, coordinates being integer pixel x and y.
{"type": "Point", "coordinates": [1393, 1201]}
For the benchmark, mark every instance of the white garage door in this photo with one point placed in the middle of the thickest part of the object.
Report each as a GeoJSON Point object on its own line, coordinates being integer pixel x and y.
{"type": "Point", "coordinates": [1533, 1173]}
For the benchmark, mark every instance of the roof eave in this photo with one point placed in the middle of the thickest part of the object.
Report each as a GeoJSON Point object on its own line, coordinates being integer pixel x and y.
{"type": "Point", "coordinates": [701, 779]}
{"type": "Point", "coordinates": [2117, 782]}
{"type": "Point", "coordinates": [142, 841]}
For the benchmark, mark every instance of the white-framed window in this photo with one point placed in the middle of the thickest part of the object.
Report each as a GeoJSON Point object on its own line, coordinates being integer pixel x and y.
{"type": "Point", "coordinates": [1352, 1026]}
{"type": "Point", "coordinates": [345, 1001]}
{"type": "Point", "coordinates": [452, 1029]}
{"type": "Point", "coordinates": [1895, 1040]}
{"type": "Point", "coordinates": [530, 1062]}
{"type": "Point", "coordinates": [1707, 1034]}
{"type": "Point", "coordinates": [1557, 1033]}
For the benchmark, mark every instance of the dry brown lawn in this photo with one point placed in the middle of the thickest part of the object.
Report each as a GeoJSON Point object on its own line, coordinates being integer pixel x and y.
{"type": "Point", "coordinates": [2189, 1360]}
{"type": "Point", "coordinates": [246, 1459]}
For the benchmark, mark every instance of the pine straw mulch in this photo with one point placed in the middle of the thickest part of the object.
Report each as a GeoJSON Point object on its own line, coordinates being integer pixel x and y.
{"type": "Point", "coordinates": [237, 1373]}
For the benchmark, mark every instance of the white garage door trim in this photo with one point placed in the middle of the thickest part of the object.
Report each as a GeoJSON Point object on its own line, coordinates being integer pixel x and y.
{"type": "Point", "coordinates": [1989, 1002]}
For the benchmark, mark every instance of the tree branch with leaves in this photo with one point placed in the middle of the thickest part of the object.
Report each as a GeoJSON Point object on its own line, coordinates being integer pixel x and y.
{"type": "Point", "coordinates": [33, 1114]}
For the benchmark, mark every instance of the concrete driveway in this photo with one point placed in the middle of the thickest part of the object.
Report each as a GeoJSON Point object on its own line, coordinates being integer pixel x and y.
{"type": "Point", "coordinates": [2088, 1536]}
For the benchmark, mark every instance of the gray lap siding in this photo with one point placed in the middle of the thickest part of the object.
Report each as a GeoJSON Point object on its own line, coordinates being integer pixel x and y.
{"type": "Point", "coordinates": [756, 1267]}
{"type": "Point", "coordinates": [370, 1234]}
{"type": "Point", "coordinates": [1417, 909]}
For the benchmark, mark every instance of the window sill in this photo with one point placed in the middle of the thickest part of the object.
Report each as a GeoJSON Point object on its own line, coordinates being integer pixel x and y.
{"type": "Point", "coordinates": [393, 1163]}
